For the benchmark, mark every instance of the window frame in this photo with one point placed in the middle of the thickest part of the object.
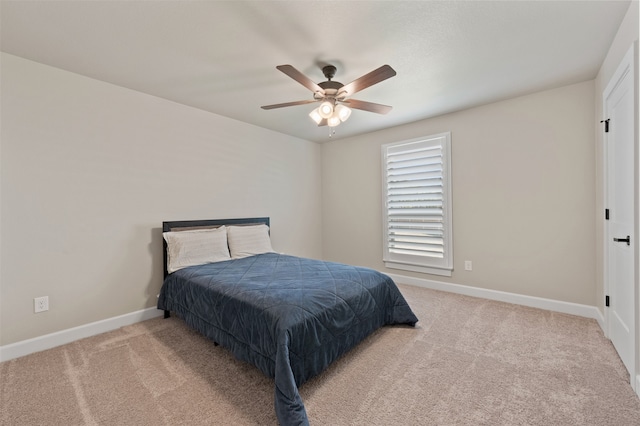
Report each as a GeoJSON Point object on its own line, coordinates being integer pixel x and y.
{"type": "Point", "coordinates": [429, 265]}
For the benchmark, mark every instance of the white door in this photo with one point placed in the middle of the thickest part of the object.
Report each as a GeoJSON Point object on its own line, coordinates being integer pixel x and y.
{"type": "Point", "coordinates": [620, 199]}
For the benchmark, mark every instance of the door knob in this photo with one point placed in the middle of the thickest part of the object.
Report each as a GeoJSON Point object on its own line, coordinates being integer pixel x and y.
{"type": "Point", "coordinates": [623, 240]}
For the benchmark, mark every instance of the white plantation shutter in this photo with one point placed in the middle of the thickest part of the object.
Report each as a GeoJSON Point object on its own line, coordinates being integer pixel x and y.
{"type": "Point", "coordinates": [417, 205]}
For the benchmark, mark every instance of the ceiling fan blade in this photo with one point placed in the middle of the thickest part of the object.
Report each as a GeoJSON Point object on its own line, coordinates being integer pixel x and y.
{"type": "Point", "coordinates": [367, 106]}
{"type": "Point", "coordinates": [324, 122]}
{"type": "Point", "coordinates": [287, 104]}
{"type": "Point", "coordinates": [375, 76]}
{"type": "Point", "coordinates": [300, 78]}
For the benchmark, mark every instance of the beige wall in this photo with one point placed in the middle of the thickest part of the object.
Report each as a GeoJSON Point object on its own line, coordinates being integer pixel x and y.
{"type": "Point", "coordinates": [90, 170]}
{"type": "Point", "coordinates": [523, 198]}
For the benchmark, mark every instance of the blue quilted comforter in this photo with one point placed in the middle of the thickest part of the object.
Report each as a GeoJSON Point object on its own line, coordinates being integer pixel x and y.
{"type": "Point", "coordinates": [289, 316]}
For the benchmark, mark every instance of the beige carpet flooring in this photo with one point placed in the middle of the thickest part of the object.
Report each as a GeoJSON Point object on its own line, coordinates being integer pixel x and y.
{"type": "Point", "coordinates": [468, 362]}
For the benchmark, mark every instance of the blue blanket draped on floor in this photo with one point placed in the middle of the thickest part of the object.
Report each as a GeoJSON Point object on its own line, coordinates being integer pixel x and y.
{"type": "Point", "coordinates": [289, 316]}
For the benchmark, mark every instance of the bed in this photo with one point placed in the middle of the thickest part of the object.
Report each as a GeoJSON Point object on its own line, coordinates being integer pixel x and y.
{"type": "Point", "coordinates": [289, 316]}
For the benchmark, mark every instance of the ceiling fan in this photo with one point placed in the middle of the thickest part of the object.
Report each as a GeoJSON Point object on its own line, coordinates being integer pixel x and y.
{"type": "Point", "coordinates": [333, 96]}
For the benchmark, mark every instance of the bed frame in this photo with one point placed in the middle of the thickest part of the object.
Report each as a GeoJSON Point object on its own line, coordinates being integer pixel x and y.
{"type": "Point", "coordinates": [189, 225]}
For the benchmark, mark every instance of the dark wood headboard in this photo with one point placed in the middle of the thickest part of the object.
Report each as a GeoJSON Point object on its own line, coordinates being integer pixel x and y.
{"type": "Point", "coordinates": [185, 225]}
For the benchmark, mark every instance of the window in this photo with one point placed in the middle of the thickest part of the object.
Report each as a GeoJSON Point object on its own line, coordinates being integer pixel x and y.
{"type": "Point", "coordinates": [416, 214]}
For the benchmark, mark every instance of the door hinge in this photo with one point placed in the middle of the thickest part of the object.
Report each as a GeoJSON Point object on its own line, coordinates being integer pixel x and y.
{"type": "Point", "coordinates": [606, 301]}
{"type": "Point", "coordinates": [606, 125]}
{"type": "Point", "coordinates": [606, 214]}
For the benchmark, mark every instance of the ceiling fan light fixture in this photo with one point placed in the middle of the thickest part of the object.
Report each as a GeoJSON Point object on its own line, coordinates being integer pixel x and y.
{"type": "Point", "coordinates": [315, 115]}
{"type": "Point", "coordinates": [325, 109]}
{"type": "Point", "coordinates": [343, 112]}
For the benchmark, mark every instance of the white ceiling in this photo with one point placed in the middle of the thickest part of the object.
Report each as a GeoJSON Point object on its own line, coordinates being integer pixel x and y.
{"type": "Point", "coordinates": [220, 56]}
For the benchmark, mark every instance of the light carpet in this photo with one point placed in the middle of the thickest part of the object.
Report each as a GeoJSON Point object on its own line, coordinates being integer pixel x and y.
{"type": "Point", "coordinates": [469, 361]}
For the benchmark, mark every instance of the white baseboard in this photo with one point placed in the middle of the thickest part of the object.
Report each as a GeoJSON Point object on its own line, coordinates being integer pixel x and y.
{"type": "Point", "coordinates": [48, 341]}
{"type": "Point", "coordinates": [586, 311]}
{"type": "Point", "coordinates": [52, 340]}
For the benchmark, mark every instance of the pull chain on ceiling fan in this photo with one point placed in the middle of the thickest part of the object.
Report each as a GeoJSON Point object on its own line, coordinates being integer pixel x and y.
{"type": "Point", "coordinates": [335, 108]}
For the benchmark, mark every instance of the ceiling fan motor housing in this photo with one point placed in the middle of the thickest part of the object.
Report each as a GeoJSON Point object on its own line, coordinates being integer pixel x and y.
{"type": "Point", "coordinates": [330, 89]}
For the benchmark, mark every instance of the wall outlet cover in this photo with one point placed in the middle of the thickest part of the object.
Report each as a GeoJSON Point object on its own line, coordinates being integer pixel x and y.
{"type": "Point", "coordinates": [41, 304]}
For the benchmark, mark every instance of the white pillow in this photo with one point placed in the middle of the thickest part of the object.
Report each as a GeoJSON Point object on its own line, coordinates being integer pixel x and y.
{"type": "Point", "coordinates": [245, 241]}
{"type": "Point", "coordinates": [197, 247]}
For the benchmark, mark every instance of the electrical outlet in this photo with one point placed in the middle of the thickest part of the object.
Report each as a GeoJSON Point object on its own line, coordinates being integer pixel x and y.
{"type": "Point", "coordinates": [41, 304]}
{"type": "Point", "coordinates": [468, 266]}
